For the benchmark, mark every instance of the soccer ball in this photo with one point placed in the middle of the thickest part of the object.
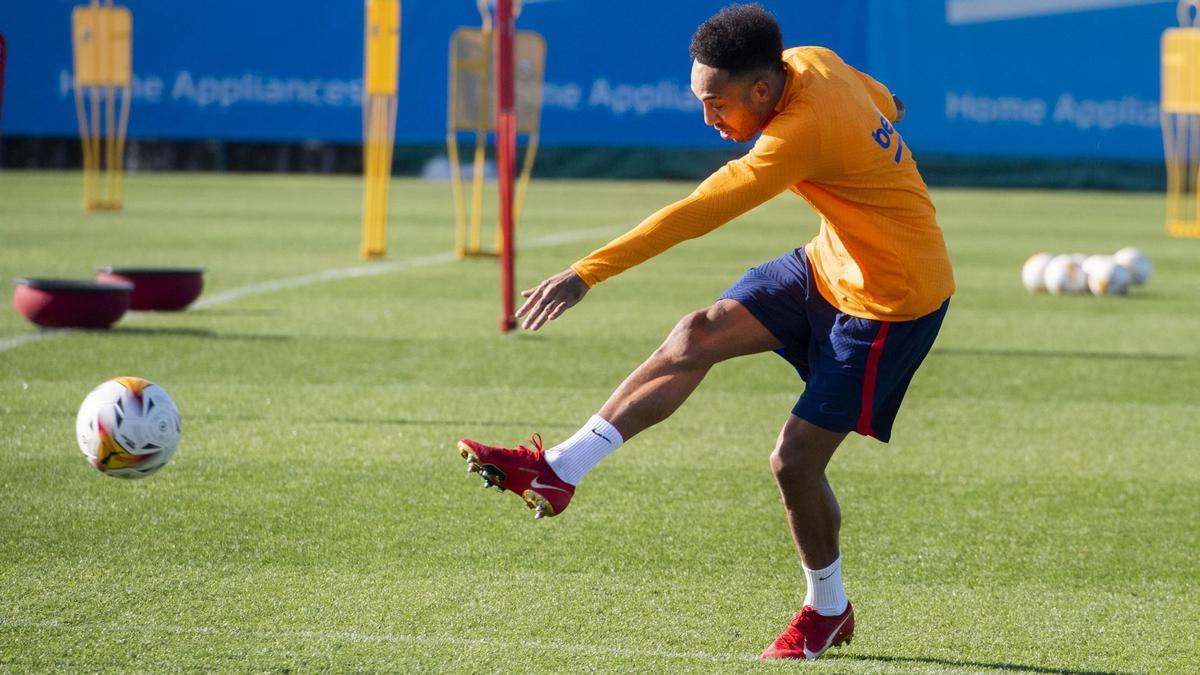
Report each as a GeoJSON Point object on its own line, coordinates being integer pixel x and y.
{"type": "Point", "coordinates": [1105, 276]}
{"type": "Point", "coordinates": [128, 427]}
{"type": "Point", "coordinates": [1065, 275]}
{"type": "Point", "coordinates": [1093, 262]}
{"type": "Point", "coordinates": [1033, 273]}
{"type": "Point", "coordinates": [1136, 263]}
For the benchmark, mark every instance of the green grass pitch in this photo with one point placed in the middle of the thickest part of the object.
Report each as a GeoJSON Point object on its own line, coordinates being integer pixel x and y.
{"type": "Point", "coordinates": [1037, 510]}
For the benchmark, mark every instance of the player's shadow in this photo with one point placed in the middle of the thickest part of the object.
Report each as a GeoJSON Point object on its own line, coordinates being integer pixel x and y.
{"type": "Point", "coordinates": [136, 331]}
{"type": "Point", "coordinates": [980, 665]}
{"type": "Point", "coordinates": [234, 311]}
{"type": "Point", "coordinates": [1038, 354]}
{"type": "Point", "coordinates": [393, 421]}
{"type": "Point", "coordinates": [457, 424]}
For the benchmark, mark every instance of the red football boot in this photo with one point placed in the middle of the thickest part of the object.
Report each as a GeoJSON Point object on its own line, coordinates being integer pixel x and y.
{"type": "Point", "coordinates": [521, 470]}
{"type": "Point", "coordinates": [810, 634]}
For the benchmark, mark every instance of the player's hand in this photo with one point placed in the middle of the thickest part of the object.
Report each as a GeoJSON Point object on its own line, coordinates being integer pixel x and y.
{"type": "Point", "coordinates": [549, 299]}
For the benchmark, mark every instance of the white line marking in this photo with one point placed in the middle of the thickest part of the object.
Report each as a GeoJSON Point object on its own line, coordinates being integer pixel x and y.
{"type": "Point", "coordinates": [365, 270]}
{"type": "Point", "coordinates": [351, 636]}
{"type": "Point", "coordinates": [17, 340]}
{"type": "Point", "coordinates": [959, 12]}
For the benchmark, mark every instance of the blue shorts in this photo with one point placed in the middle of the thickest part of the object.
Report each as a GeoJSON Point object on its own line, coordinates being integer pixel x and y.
{"type": "Point", "coordinates": [855, 370]}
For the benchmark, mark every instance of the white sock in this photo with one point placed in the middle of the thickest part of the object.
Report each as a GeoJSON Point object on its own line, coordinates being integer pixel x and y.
{"type": "Point", "coordinates": [574, 457]}
{"type": "Point", "coordinates": [825, 591]}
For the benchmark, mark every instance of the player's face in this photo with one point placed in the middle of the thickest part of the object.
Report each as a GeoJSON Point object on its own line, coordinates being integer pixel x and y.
{"type": "Point", "coordinates": [736, 108]}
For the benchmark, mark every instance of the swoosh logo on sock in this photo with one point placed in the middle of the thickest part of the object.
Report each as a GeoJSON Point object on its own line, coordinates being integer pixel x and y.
{"type": "Point", "coordinates": [826, 576]}
{"type": "Point", "coordinates": [602, 436]}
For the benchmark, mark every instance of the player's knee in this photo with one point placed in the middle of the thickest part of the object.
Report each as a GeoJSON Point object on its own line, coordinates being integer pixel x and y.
{"type": "Point", "coordinates": [689, 344]}
{"type": "Point", "coordinates": [795, 463]}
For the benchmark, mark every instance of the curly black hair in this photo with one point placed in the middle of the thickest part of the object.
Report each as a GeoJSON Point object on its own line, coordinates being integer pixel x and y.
{"type": "Point", "coordinates": [740, 39]}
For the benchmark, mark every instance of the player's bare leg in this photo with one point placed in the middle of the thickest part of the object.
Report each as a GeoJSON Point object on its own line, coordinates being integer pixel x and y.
{"type": "Point", "coordinates": [801, 454]}
{"type": "Point", "coordinates": [546, 480]}
{"type": "Point", "coordinates": [665, 380]}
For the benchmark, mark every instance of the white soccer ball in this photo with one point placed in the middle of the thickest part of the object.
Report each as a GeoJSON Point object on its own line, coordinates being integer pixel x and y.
{"type": "Point", "coordinates": [1064, 275]}
{"type": "Point", "coordinates": [1033, 274]}
{"type": "Point", "coordinates": [1136, 263]}
{"type": "Point", "coordinates": [1093, 262]}
{"type": "Point", "coordinates": [128, 427]}
{"type": "Point", "coordinates": [1105, 276]}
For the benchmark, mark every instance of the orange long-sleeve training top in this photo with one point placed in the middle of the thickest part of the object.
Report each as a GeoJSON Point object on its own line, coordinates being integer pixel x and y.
{"type": "Point", "coordinates": [879, 253]}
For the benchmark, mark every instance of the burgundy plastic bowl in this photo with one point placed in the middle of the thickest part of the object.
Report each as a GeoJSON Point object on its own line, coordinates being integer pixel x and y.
{"type": "Point", "coordinates": [163, 289]}
{"type": "Point", "coordinates": [68, 303]}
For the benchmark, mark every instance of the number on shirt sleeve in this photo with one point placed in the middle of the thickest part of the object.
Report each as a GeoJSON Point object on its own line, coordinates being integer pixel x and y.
{"type": "Point", "coordinates": [883, 136]}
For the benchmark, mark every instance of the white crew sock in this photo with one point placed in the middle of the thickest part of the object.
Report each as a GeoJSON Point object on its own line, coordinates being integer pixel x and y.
{"type": "Point", "coordinates": [576, 456]}
{"type": "Point", "coordinates": [825, 590]}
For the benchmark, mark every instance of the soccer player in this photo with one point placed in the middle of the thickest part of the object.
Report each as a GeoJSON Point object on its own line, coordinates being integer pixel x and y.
{"type": "Point", "coordinates": [855, 310]}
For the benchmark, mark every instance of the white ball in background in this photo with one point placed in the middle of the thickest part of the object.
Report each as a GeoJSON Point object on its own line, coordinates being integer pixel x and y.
{"type": "Point", "coordinates": [1033, 274]}
{"type": "Point", "coordinates": [1106, 277]}
{"type": "Point", "coordinates": [1094, 262]}
{"type": "Point", "coordinates": [1064, 275]}
{"type": "Point", "coordinates": [1136, 263]}
{"type": "Point", "coordinates": [1079, 258]}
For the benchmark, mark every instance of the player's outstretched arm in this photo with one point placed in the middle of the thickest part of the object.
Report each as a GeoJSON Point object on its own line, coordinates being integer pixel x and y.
{"type": "Point", "coordinates": [549, 299]}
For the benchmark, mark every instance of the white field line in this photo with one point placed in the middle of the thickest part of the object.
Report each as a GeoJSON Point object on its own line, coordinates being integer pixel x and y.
{"type": "Point", "coordinates": [365, 270]}
{"type": "Point", "coordinates": [351, 636]}
{"type": "Point", "coordinates": [15, 341]}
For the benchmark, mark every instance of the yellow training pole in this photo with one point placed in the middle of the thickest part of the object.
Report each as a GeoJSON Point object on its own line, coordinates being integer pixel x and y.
{"type": "Point", "coordinates": [531, 57]}
{"type": "Point", "coordinates": [456, 191]}
{"type": "Point", "coordinates": [381, 71]}
{"type": "Point", "coordinates": [83, 39]}
{"type": "Point", "coordinates": [1181, 120]}
{"type": "Point", "coordinates": [526, 171]}
{"type": "Point", "coordinates": [483, 122]}
{"type": "Point", "coordinates": [102, 41]}
{"type": "Point", "coordinates": [477, 174]}
{"type": "Point", "coordinates": [457, 43]}
{"type": "Point", "coordinates": [120, 54]}
{"type": "Point", "coordinates": [471, 109]}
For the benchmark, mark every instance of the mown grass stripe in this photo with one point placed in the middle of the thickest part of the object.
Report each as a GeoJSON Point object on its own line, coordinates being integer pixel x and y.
{"type": "Point", "coordinates": [352, 636]}
{"type": "Point", "coordinates": [335, 274]}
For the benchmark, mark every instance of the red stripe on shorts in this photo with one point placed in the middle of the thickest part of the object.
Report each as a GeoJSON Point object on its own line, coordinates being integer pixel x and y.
{"type": "Point", "coordinates": [868, 395]}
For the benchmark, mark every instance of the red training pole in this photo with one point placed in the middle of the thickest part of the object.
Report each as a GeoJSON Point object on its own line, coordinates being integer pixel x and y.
{"type": "Point", "coordinates": [506, 150]}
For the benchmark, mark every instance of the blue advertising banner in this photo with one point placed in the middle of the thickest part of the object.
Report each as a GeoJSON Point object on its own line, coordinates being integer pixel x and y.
{"type": "Point", "coordinates": [617, 72]}
{"type": "Point", "coordinates": [1020, 78]}
{"type": "Point", "coordinates": [1024, 78]}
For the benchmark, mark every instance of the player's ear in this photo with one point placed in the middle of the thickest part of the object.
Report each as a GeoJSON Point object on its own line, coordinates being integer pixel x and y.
{"type": "Point", "coordinates": [761, 89]}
